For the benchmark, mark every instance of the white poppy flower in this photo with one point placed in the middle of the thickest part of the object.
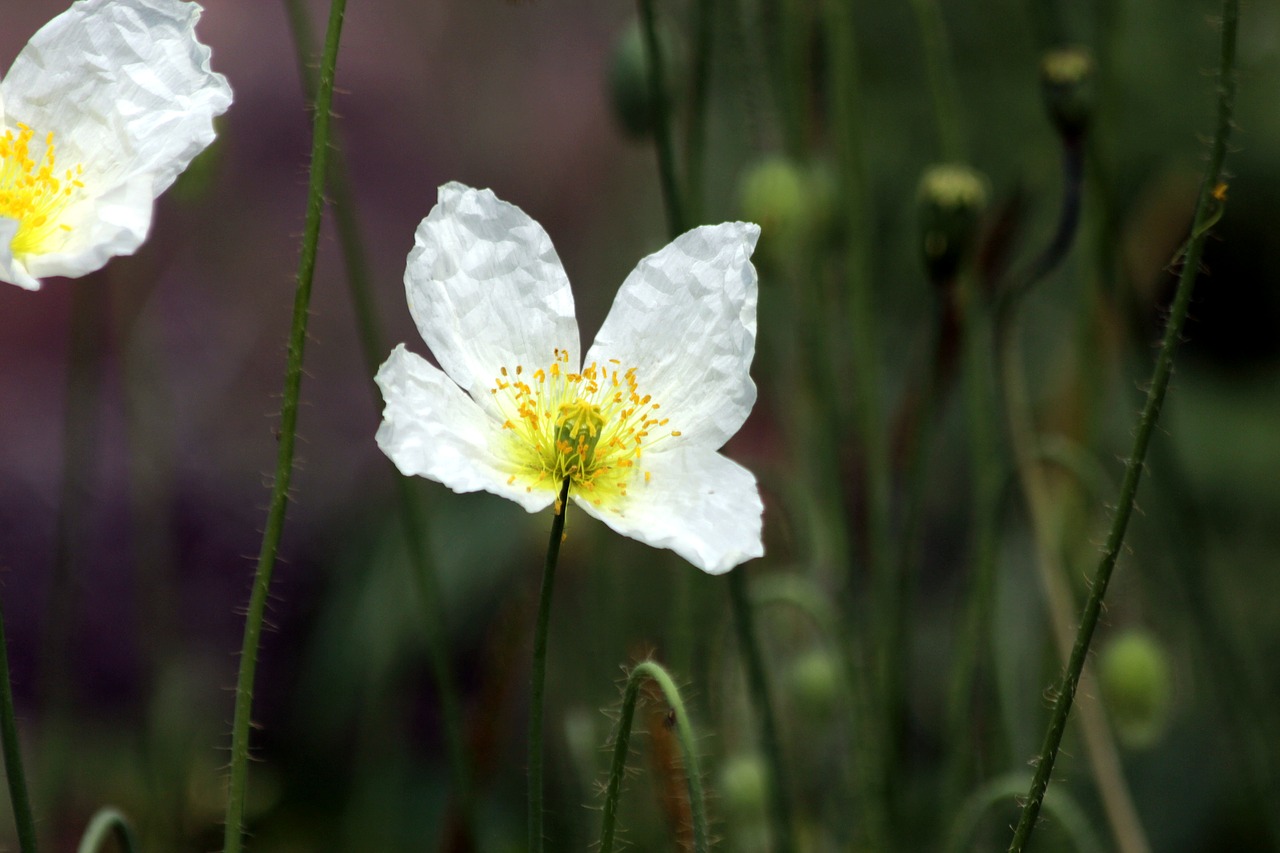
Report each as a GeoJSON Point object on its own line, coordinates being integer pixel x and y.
{"type": "Point", "coordinates": [636, 425]}
{"type": "Point", "coordinates": [101, 111]}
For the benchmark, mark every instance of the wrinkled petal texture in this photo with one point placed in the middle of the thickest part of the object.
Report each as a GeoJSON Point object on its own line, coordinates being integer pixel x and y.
{"type": "Point", "coordinates": [686, 319]}
{"type": "Point", "coordinates": [487, 290]}
{"type": "Point", "coordinates": [700, 504]}
{"type": "Point", "coordinates": [127, 90]}
{"type": "Point", "coordinates": [430, 428]}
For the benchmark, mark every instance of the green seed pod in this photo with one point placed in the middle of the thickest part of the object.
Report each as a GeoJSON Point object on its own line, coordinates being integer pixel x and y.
{"type": "Point", "coordinates": [629, 91]}
{"type": "Point", "coordinates": [744, 785]}
{"type": "Point", "coordinates": [814, 683]}
{"type": "Point", "coordinates": [951, 199]}
{"type": "Point", "coordinates": [1066, 78]}
{"type": "Point", "coordinates": [1137, 686]}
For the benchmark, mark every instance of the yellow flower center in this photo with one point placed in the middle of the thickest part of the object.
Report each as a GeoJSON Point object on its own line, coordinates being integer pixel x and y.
{"type": "Point", "coordinates": [592, 427]}
{"type": "Point", "coordinates": [31, 191]}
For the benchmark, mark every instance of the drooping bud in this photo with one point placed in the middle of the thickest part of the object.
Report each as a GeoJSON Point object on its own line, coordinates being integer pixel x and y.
{"type": "Point", "coordinates": [629, 90]}
{"type": "Point", "coordinates": [1066, 78]}
{"type": "Point", "coordinates": [951, 199]}
{"type": "Point", "coordinates": [814, 682]}
{"type": "Point", "coordinates": [1137, 686]}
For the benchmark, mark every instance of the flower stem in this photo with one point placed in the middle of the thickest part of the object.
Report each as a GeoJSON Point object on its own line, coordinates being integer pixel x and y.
{"type": "Point", "coordinates": [18, 796]}
{"type": "Point", "coordinates": [413, 519]}
{"type": "Point", "coordinates": [942, 81]}
{"type": "Point", "coordinates": [684, 731]}
{"type": "Point", "coordinates": [1208, 208]}
{"type": "Point", "coordinates": [661, 132]}
{"type": "Point", "coordinates": [106, 823]}
{"type": "Point", "coordinates": [780, 795]}
{"type": "Point", "coordinates": [232, 840]}
{"type": "Point", "coordinates": [539, 678]}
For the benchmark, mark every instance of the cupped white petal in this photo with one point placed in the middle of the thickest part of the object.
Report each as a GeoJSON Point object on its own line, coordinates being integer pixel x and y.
{"type": "Point", "coordinates": [697, 502]}
{"type": "Point", "coordinates": [686, 319]}
{"type": "Point", "coordinates": [12, 269]}
{"type": "Point", "coordinates": [126, 90]}
{"type": "Point", "coordinates": [487, 290]}
{"type": "Point", "coordinates": [432, 429]}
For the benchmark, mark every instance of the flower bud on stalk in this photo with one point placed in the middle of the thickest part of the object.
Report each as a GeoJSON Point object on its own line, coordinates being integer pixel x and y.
{"type": "Point", "coordinates": [951, 199]}
{"type": "Point", "coordinates": [1137, 687]}
{"type": "Point", "coordinates": [633, 101]}
{"type": "Point", "coordinates": [1066, 78]}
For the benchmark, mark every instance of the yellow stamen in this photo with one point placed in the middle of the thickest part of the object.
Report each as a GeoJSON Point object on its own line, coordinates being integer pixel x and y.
{"type": "Point", "coordinates": [32, 192]}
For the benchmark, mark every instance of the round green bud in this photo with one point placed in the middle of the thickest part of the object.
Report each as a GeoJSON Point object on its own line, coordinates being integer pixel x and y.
{"type": "Point", "coordinates": [1137, 686]}
{"type": "Point", "coordinates": [744, 785]}
{"type": "Point", "coordinates": [774, 194]}
{"type": "Point", "coordinates": [629, 90]}
{"type": "Point", "coordinates": [951, 199]}
{"type": "Point", "coordinates": [1066, 78]}
{"type": "Point", "coordinates": [814, 683]}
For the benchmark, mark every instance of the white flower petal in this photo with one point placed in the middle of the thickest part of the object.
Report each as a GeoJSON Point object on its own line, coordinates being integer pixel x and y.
{"type": "Point", "coordinates": [487, 290]}
{"type": "Point", "coordinates": [127, 91]}
{"type": "Point", "coordinates": [12, 270]}
{"type": "Point", "coordinates": [700, 504]}
{"type": "Point", "coordinates": [686, 319]}
{"type": "Point", "coordinates": [430, 428]}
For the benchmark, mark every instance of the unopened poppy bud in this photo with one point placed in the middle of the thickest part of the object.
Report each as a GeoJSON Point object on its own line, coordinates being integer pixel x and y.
{"type": "Point", "coordinates": [951, 198]}
{"type": "Point", "coordinates": [744, 785]}
{"type": "Point", "coordinates": [814, 680]}
{"type": "Point", "coordinates": [1066, 77]}
{"type": "Point", "coordinates": [774, 196]}
{"type": "Point", "coordinates": [633, 100]}
{"type": "Point", "coordinates": [1137, 686]}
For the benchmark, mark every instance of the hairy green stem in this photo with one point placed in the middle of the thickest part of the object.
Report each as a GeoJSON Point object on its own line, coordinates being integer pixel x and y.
{"type": "Point", "coordinates": [661, 131]}
{"type": "Point", "coordinates": [688, 749]}
{"type": "Point", "coordinates": [539, 677]}
{"type": "Point", "coordinates": [18, 796]}
{"type": "Point", "coordinates": [234, 827]}
{"type": "Point", "coordinates": [1208, 207]}
{"type": "Point", "coordinates": [108, 823]}
{"type": "Point", "coordinates": [757, 682]}
{"type": "Point", "coordinates": [412, 517]}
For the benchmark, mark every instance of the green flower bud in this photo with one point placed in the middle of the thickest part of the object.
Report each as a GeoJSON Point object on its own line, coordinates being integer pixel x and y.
{"type": "Point", "coordinates": [951, 200]}
{"type": "Point", "coordinates": [780, 196]}
{"type": "Point", "coordinates": [744, 785]}
{"type": "Point", "coordinates": [1137, 687]}
{"type": "Point", "coordinates": [814, 682]}
{"type": "Point", "coordinates": [1066, 78]}
{"type": "Point", "coordinates": [633, 101]}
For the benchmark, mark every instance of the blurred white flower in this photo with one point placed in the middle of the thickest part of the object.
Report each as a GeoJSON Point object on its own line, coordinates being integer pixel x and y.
{"type": "Point", "coordinates": [636, 430]}
{"type": "Point", "coordinates": [101, 111]}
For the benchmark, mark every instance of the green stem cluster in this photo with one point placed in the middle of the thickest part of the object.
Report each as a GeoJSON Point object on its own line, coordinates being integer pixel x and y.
{"type": "Point", "coordinates": [1207, 207]}
{"type": "Point", "coordinates": [237, 784]}
{"type": "Point", "coordinates": [688, 749]}
{"type": "Point", "coordinates": [18, 795]}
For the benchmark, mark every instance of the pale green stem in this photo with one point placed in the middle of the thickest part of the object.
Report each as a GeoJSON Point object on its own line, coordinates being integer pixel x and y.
{"type": "Point", "coordinates": [412, 517]}
{"type": "Point", "coordinates": [237, 784]}
{"type": "Point", "coordinates": [942, 80]}
{"type": "Point", "coordinates": [688, 749]}
{"type": "Point", "coordinates": [18, 796]}
{"type": "Point", "coordinates": [539, 677]}
{"type": "Point", "coordinates": [1208, 208]}
{"type": "Point", "coordinates": [108, 823]}
{"type": "Point", "coordinates": [757, 682]}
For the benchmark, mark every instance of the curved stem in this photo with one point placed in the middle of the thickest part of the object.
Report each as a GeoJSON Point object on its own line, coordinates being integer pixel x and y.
{"type": "Point", "coordinates": [1074, 821]}
{"type": "Point", "coordinates": [539, 677]}
{"type": "Point", "coordinates": [412, 517]}
{"type": "Point", "coordinates": [18, 796]}
{"type": "Point", "coordinates": [232, 840]}
{"type": "Point", "coordinates": [661, 132]}
{"type": "Point", "coordinates": [1208, 208]}
{"type": "Point", "coordinates": [684, 730]}
{"type": "Point", "coordinates": [780, 795]}
{"type": "Point", "coordinates": [106, 823]}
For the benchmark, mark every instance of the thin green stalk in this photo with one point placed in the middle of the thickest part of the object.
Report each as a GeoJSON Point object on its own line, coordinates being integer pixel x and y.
{"type": "Point", "coordinates": [1076, 824]}
{"type": "Point", "coordinates": [757, 682]}
{"type": "Point", "coordinates": [695, 139]}
{"type": "Point", "coordinates": [539, 678]}
{"type": "Point", "coordinates": [233, 829]}
{"type": "Point", "coordinates": [688, 749]}
{"type": "Point", "coordinates": [942, 80]}
{"type": "Point", "coordinates": [108, 823]}
{"type": "Point", "coordinates": [1208, 208]}
{"type": "Point", "coordinates": [412, 516]}
{"type": "Point", "coordinates": [661, 131]}
{"type": "Point", "coordinates": [18, 796]}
